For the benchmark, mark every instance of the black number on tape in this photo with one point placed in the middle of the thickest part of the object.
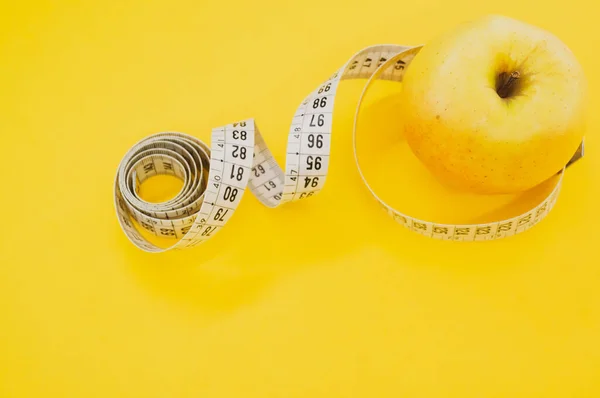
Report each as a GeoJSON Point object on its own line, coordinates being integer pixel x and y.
{"type": "Point", "coordinates": [320, 120]}
{"type": "Point", "coordinates": [239, 135]}
{"type": "Point", "coordinates": [320, 103]}
{"type": "Point", "coordinates": [208, 231]}
{"type": "Point", "coordinates": [239, 151]}
{"type": "Point", "coordinates": [258, 170]}
{"type": "Point", "coordinates": [149, 227]}
{"type": "Point", "coordinates": [313, 182]}
{"type": "Point", "coordinates": [237, 172]}
{"type": "Point", "coordinates": [315, 140]}
{"type": "Point", "coordinates": [230, 194]}
{"type": "Point", "coordinates": [270, 185]}
{"type": "Point", "coordinates": [306, 194]}
{"type": "Point", "coordinates": [313, 163]}
{"type": "Point", "coordinates": [325, 88]}
{"type": "Point", "coordinates": [399, 65]}
{"type": "Point", "coordinates": [220, 214]}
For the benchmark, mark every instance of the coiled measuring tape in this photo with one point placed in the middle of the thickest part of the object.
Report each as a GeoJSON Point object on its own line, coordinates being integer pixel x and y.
{"type": "Point", "coordinates": [215, 178]}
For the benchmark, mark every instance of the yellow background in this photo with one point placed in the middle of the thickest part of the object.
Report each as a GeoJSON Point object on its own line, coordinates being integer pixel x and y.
{"type": "Point", "coordinates": [324, 298]}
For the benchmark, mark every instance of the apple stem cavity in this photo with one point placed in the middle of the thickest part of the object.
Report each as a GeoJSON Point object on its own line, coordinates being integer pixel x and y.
{"type": "Point", "coordinates": [507, 83]}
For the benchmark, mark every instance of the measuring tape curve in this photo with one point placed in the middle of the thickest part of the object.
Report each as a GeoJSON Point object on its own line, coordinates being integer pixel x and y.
{"type": "Point", "coordinates": [215, 178]}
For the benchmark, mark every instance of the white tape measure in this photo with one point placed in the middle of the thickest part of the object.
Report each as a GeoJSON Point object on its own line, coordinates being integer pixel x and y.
{"type": "Point", "coordinates": [215, 178]}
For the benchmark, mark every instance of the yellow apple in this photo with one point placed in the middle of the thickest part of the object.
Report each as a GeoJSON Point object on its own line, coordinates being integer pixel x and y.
{"type": "Point", "coordinates": [494, 106]}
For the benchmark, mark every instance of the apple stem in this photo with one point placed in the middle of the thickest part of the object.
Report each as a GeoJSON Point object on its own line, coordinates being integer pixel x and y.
{"type": "Point", "coordinates": [507, 83]}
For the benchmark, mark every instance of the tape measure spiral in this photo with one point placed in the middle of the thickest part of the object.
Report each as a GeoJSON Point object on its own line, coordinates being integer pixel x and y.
{"type": "Point", "coordinates": [216, 178]}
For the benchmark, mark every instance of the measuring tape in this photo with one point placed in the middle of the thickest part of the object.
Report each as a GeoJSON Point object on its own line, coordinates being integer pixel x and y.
{"type": "Point", "coordinates": [215, 178]}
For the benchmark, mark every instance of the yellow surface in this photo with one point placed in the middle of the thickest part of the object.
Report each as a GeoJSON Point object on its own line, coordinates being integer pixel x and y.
{"type": "Point", "coordinates": [324, 298]}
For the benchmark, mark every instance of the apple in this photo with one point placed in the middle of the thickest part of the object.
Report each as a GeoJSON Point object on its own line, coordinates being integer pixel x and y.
{"type": "Point", "coordinates": [494, 106]}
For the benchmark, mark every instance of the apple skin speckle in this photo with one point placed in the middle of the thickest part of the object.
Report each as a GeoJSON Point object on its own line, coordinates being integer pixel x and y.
{"type": "Point", "coordinates": [486, 144]}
